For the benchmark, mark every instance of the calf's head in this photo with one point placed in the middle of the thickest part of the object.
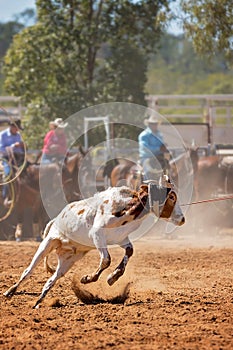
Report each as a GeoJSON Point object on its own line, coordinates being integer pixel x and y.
{"type": "Point", "coordinates": [163, 202]}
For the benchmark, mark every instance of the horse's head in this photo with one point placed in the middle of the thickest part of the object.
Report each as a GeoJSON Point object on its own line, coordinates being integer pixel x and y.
{"type": "Point", "coordinates": [77, 170]}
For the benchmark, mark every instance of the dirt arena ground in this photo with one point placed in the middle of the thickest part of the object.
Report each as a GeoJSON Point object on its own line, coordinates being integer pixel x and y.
{"type": "Point", "coordinates": [180, 297]}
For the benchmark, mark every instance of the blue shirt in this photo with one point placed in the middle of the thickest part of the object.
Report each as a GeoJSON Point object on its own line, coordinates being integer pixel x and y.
{"type": "Point", "coordinates": [7, 139]}
{"type": "Point", "coordinates": [149, 143]}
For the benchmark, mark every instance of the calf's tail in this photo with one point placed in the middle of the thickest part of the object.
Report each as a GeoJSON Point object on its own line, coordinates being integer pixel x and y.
{"type": "Point", "coordinates": [47, 228]}
{"type": "Point", "coordinates": [48, 268]}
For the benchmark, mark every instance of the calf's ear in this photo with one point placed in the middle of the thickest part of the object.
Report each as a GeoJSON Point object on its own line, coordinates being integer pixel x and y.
{"type": "Point", "coordinates": [169, 205]}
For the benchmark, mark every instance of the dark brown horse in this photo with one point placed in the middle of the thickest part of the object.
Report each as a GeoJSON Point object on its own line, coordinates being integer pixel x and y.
{"type": "Point", "coordinates": [25, 195]}
{"type": "Point", "coordinates": [38, 187]}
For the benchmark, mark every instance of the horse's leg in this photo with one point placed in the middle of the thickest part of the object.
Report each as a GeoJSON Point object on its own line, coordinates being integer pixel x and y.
{"type": "Point", "coordinates": [119, 271]}
{"type": "Point", "coordinates": [40, 219]}
{"type": "Point", "coordinates": [105, 261]}
{"type": "Point", "coordinates": [19, 226]}
{"type": "Point", "coordinates": [19, 232]}
{"type": "Point", "coordinates": [37, 229]}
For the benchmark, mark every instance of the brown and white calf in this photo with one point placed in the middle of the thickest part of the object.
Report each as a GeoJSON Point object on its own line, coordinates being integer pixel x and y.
{"type": "Point", "coordinates": [105, 219]}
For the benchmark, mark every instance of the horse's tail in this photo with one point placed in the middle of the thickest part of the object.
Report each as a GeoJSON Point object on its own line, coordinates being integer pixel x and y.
{"type": "Point", "coordinates": [48, 268]}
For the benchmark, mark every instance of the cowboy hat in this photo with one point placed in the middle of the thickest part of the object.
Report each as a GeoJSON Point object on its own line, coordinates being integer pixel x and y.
{"type": "Point", "coordinates": [59, 123]}
{"type": "Point", "coordinates": [16, 123]}
{"type": "Point", "coordinates": [151, 120]}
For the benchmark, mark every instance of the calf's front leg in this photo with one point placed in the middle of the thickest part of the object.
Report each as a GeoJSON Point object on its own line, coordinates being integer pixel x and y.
{"type": "Point", "coordinates": [119, 271]}
{"type": "Point", "coordinates": [105, 261]}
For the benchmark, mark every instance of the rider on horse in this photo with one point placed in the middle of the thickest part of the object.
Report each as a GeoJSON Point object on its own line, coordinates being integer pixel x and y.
{"type": "Point", "coordinates": [12, 152]}
{"type": "Point", "coordinates": [55, 144]}
{"type": "Point", "coordinates": [153, 154]}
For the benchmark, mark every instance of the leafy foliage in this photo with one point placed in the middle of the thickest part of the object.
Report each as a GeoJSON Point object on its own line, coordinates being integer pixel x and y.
{"type": "Point", "coordinates": [177, 69]}
{"type": "Point", "coordinates": [85, 52]}
{"type": "Point", "coordinates": [78, 54]}
{"type": "Point", "coordinates": [7, 32]}
{"type": "Point", "coordinates": [210, 25]}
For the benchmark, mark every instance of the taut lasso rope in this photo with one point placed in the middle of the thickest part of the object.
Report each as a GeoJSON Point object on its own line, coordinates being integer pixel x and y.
{"type": "Point", "coordinates": [226, 197]}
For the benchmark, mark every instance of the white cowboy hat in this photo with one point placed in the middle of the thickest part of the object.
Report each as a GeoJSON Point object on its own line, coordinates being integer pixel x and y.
{"type": "Point", "coordinates": [152, 120]}
{"type": "Point", "coordinates": [59, 123]}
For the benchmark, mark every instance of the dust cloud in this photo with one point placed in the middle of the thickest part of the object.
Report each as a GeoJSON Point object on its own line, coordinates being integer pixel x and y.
{"type": "Point", "coordinates": [207, 224]}
{"type": "Point", "coordinates": [88, 298]}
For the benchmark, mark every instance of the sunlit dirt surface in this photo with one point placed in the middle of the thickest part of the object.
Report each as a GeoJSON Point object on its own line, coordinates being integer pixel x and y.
{"type": "Point", "coordinates": [176, 293]}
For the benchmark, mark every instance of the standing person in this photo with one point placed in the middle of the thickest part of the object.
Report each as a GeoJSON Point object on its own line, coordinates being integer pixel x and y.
{"type": "Point", "coordinates": [12, 151]}
{"type": "Point", "coordinates": [55, 144]}
{"type": "Point", "coordinates": [152, 149]}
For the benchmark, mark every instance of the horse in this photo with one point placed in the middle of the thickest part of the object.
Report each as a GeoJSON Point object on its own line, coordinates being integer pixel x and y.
{"type": "Point", "coordinates": [126, 172]}
{"type": "Point", "coordinates": [25, 193]}
{"type": "Point", "coordinates": [38, 185]}
{"type": "Point", "coordinates": [213, 180]}
{"type": "Point", "coordinates": [209, 177]}
{"type": "Point", "coordinates": [79, 167]}
{"type": "Point", "coordinates": [131, 173]}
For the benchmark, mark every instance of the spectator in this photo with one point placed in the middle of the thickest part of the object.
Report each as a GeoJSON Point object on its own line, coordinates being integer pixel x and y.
{"type": "Point", "coordinates": [55, 145]}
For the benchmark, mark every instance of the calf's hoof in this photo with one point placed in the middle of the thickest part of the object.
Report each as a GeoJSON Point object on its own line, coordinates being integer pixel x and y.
{"type": "Point", "coordinates": [114, 276]}
{"type": "Point", "coordinates": [89, 278]}
{"type": "Point", "coordinates": [10, 292]}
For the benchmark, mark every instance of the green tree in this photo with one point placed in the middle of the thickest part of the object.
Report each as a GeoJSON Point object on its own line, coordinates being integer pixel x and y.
{"type": "Point", "coordinates": [209, 23]}
{"type": "Point", "coordinates": [7, 32]}
{"type": "Point", "coordinates": [82, 52]}
{"type": "Point", "coordinates": [177, 69]}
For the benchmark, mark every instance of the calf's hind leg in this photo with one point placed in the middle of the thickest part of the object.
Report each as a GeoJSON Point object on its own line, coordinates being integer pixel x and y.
{"type": "Point", "coordinates": [66, 259]}
{"type": "Point", "coordinates": [119, 271]}
{"type": "Point", "coordinates": [46, 246]}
